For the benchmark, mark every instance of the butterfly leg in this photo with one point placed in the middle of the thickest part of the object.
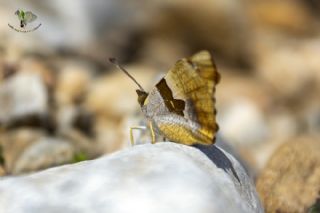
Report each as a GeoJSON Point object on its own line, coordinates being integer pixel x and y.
{"type": "Point", "coordinates": [153, 136]}
{"type": "Point", "coordinates": [131, 132]}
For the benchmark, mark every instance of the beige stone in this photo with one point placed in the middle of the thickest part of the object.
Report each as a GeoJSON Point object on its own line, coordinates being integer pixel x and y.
{"type": "Point", "coordinates": [15, 142]}
{"type": "Point", "coordinates": [72, 83]}
{"type": "Point", "coordinates": [291, 180]}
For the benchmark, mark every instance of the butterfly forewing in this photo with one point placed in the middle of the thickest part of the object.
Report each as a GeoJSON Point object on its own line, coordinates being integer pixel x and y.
{"type": "Point", "coordinates": [205, 66]}
{"type": "Point", "coordinates": [187, 93]}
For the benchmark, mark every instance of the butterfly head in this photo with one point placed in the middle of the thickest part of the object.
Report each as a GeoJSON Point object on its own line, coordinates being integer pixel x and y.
{"type": "Point", "coordinates": [142, 96]}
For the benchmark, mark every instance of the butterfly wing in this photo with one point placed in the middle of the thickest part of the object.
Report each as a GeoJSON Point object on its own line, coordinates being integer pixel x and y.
{"type": "Point", "coordinates": [186, 110]}
{"type": "Point", "coordinates": [29, 17]}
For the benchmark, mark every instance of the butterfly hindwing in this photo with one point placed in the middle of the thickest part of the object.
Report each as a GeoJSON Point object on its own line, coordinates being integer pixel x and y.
{"type": "Point", "coordinates": [186, 110]}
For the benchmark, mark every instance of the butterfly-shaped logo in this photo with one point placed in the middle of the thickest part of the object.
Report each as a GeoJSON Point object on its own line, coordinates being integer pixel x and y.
{"type": "Point", "coordinates": [181, 106]}
{"type": "Point", "coordinates": [25, 18]}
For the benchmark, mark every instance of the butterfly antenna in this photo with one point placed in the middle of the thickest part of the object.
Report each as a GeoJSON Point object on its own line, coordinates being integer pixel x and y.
{"type": "Point", "coordinates": [115, 62]}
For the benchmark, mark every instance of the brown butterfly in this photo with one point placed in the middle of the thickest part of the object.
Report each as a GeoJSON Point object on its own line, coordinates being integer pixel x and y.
{"type": "Point", "coordinates": [181, 106]}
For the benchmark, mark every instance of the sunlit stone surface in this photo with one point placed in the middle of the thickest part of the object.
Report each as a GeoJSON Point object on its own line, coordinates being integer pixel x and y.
{"type": "Point", "coordinates": [165, 177]}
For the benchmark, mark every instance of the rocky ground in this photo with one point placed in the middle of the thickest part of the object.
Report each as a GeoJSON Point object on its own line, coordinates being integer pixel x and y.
{"type": "Point", "coordinates": [61, 102]}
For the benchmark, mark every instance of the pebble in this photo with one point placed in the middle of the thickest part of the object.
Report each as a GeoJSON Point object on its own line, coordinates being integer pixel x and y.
{"type": "Point", "coordinates": [22, 95]}
{"type": "Point", "coordinates": [290, 182]}
{"type": "Point", "coordinates": [44, 153]}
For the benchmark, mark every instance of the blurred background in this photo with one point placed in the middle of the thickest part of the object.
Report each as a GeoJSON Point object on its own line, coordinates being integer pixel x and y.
{"type": "Point", "coordinates": [62, 102]}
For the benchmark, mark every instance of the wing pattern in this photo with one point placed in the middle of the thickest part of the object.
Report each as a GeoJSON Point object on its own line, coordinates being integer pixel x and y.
{"type": "Point", "coordinates": [188, 93]}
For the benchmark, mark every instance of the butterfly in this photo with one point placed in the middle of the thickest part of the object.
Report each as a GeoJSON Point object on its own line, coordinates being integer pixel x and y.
{"type": "Point", "coordinates": [25, 18]}
{"type": "Point", "coordinates": [181, 106]}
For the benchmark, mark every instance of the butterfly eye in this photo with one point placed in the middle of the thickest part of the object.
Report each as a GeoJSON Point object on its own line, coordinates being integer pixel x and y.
{"type": "Point", "coordinates": [142, 96]}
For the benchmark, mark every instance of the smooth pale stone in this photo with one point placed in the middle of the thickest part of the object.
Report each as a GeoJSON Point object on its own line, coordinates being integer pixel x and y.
{"type": "Point", "coordinates": [150, 178]}
{"type": "Point", "coordinates": [22, 95]}
{"type": "Point", "coordinates": [243, 123]}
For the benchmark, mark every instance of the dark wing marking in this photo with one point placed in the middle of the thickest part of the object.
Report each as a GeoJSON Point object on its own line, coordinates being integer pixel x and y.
{"type": "Point", "coordinates": [174, 105]}
{"type": "Point", "coordinates": [193, 81]}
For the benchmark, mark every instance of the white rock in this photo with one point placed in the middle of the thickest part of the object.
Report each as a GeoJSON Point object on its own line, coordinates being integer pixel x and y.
{"type": "Point", "coordinates": [22, 95]}
{"type": "Point", "coordinates": [243, 123]}
{"type": "Point", "coordinates": [165, 177]}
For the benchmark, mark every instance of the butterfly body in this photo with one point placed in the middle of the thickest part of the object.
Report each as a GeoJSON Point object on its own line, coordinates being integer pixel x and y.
{"type": "Point", "coordinates": [181, 106]}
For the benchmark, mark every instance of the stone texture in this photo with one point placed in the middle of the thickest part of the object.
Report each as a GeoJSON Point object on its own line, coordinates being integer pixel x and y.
{"type": "Point", "coordinates": [2, 171]}
{"type": "Point", "coordinates": [291, 180]}
{"type": "Point", "coordinates": [45, 152]}
{"type": "Point", "coordinates": [14, 143]}
{"type": "Point", "coordinates": [72, 83]}
{"type": "Point", "coordinates": [22, 95]}
{"type": "Point", "coordinates": [165, 177]}
{"type": "Point", "coordinates": [290, 71]}
{"type": "Point", "coordinates": [286, 16]}
{"type": "Point", "coordinates": [243, 123]}
{"type": "Point", "coordinates": [28, 150]}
